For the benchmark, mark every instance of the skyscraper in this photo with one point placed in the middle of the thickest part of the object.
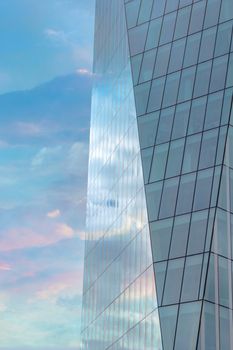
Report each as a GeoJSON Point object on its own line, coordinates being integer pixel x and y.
{"type": "Point", "coordinates": [159, 246]}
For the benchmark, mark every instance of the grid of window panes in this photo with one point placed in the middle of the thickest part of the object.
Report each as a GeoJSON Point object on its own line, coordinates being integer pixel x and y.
{"type": "Point", "coordinates": [182, 66]}
{"type": "Point", "coordinates": [119, 298]}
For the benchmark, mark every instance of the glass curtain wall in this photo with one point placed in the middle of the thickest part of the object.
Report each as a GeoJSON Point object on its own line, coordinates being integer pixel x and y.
{"type": "Point", "coordinates": [182, 68]}
{"type": "Point", "coordinates": [119, 298]}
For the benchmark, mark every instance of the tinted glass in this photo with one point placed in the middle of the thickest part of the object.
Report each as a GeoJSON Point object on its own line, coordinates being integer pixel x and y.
{"type": "Point", "coordinates": [179, 236]}
{"type": "Point", "coordinates": [173, 281]}
{"type": "Point", "coordinates": [181, 120]}
{"type": "Point", "coordinates": [169, 198]}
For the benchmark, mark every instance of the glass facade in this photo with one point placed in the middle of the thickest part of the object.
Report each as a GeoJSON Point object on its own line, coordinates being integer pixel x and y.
{"type": "Point", "coordinates": [119, 299]}
{"type": "Point", "coordinates": [182, 72]}
{"type": "Point", "coordinates": [159, 246]}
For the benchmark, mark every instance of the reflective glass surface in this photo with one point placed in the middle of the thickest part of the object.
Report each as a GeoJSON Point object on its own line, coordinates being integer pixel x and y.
{"type": "Point", "coordinates": [188, 174]}
{"type": "Point", "coordinates": [119, 298]}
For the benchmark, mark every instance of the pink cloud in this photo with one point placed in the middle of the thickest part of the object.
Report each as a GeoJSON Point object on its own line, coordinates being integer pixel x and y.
{"type": "Point", "coordinates": [23, 237]}
{"type": "Point", "coordinates": [54, 214]}
{"type": "Point", "coordinates": [62, 283]}
{"type": "Point", "coordinates": [5, 266]}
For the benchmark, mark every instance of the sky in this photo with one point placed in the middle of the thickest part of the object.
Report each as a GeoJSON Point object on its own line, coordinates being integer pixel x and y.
{"type": "Point", "coordinates": [45, 98]}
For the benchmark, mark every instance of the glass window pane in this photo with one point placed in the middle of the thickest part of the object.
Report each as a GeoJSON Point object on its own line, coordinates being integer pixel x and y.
{"type": "Point", "coordinates": [156, 94]}
{"type": "Point", "coordinates": [141, 97]}
{"type": "Point", "coordinates": [136, 65]}
{"type": "Point", "coordinates": [158, 8]}
{"type": "Point", "coordinates": [173, 282]}
{"type": "Point", "coordinates": [168, 317]}
{"type": "Point", "coordinates": [226, 10]}
{"type": "Point", "coordinates": [230, 72]}
{"type": "Point", "coordinates": [186, 84]}
{"type": "Point", "coordinates": [162, 60]}
{"type": "Point", "coordinates": [191, 154]}
{"type": "Point", "coordinates": [212, 13]}
{"type": "Point", "coordinates": [167, 28]}
{"type": "Point", "coordinates": [177, 54]}
{"type": "Point", "coordinates": [218, 75]}
{"type": "Point", "coordinates": [225, 328]}
{"type": "Point", "coordinates": [159, 162]}
{"type": "Point", "coordinates": [192, 49]}
{"type": "Point", "coordinates": [197, 233]}
{"type": "Point", "coordinates": [208, 326]}
{"type": "Point", "coordinates": [185, 197]}
{"type": "Point", "coordinates": [175, 158]}
{"type": "Point", "coordinates": [223, 38]}
{"type": "Point", "coordinates": [182, 22]}
{"type": "Point", "coordinates": [208, 148]}
{"type": "Point", "coordinates": [169, 198]}
{"type": "Point", "coordinates": [147, 65]}
{"type": "Point", "coordinates": [202, 79]}
{"type": "Point", "coordinates": [145, 11]}
{"type": "Point", "coordinates": [210, 225]}
{"type": "Point", "coordinates": [215, 188]}
{"type": "Point", "coordinates": [197, 17]}
{"type": "Point", "coordinates": [224, 281]}
{"type": "Point", "coordinates": [179, 236]}
{"type": "Point", "coordinates": [224, 199]}
{"type": "Point", "coordinates": [160, 271]}
{"type": "Point", "coordinates": [137, 38]}
{"type": "Point", "coordinates": [132, 9]}
{"type": "Point", "coordinates": [214, 108]}
{"type": "Point", "coordinates": [227, 107]}
{"type": "Point", "coordinates": [147, 127]}
{"type": "Point", "coordinates": [203, 189]}
{"type": "Point", "coordinates": [165, 125]}
{"type": "Point", "coordinates": [207, 44]}
{"type": "Point", "coordinates": [229, 146]}
{"type": "Point", "coordinates": [153, 193]}
{"type": "Point", "coordinates": [181, 120]}
{"type": "Point", "coordinates": [171, 5]}
{"type": "Point", "coordinates": [185, 2]}
{"type": "Point", "coordinates": [221, 145]}
{"type": "Point", "coordinates": [203, 275]}
{"type": "Point", "coordinates": [153, 33]}
{"type": "Point", "coordinates": [160, 238]}
{"type": "Point", "coordinates": [171, 89]}
{"type": "Point", "coordinates": [197, 115]}
{"type": "Point", "coordinates": [188, 325]}
{"type": "Point", "coordinates": [192, 278]}
{"type": "Point", "coordinates": [210, 293]}
{"type": "Point", "coordinates": [146, 162]}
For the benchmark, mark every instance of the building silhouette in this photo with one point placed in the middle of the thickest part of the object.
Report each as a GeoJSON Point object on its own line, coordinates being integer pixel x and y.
{"type": "Point", "coordinates": [159, 244]}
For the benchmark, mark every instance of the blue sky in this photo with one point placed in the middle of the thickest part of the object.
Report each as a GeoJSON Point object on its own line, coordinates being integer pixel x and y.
{"type": "Point", "coordinates": [45, 94]}
{"type": "Point", "coordinates": [43, 39]}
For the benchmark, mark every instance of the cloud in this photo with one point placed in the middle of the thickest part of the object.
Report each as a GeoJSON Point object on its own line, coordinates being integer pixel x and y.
{"type": "Point", "coordinates": [24, 237]}
{"type": "Point", "coordinates": [54, 214]}
{"type": "Point", "coordinates": [5, 267]}
{"type": "Point", "coordinates": [64, 230]}
{"type": "Point", "coordinates": [83, 71]}
{"type": "Point", "coordinates": [77, 158]}
{"type": "Point", "coordinates": [51, 291]}
{"type": "Point", "coordinates": [57, 36]}
{"type": "Point", "coordinates": [28, 129]}
{"type": "Point", "coordinates": [45, 155]}
{"type": "Point", "coordinates": [61, 286]}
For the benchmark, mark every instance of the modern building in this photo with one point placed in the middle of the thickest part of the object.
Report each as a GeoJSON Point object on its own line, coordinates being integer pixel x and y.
{"type": "Point", "coordinates": [159, 246]}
